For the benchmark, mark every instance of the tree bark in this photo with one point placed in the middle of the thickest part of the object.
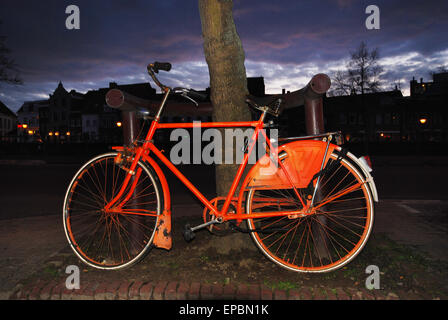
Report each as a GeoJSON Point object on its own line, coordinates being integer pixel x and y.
{"type": "Point", "coordinates": [228, 83]}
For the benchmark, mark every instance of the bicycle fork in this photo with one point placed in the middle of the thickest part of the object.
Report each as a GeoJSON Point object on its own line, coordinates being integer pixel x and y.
{"type": "Point", "coordinates": [111, 206]}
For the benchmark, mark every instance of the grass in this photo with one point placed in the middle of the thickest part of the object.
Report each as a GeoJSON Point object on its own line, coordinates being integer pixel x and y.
{"type": "Point", "coordinates": [281, 285]}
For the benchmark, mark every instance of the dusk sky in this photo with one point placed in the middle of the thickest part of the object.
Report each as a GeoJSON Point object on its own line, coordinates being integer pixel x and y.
{"type": "Point", "coordinates": [286, 42]}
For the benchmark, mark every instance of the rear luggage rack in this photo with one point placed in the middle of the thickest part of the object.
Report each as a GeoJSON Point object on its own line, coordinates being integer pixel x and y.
{"type": "Point", "coordinates": [337, 135]}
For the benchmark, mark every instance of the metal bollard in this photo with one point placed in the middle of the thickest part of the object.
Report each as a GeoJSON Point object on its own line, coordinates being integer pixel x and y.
{"type": "Point", "coordinates": [314, 123]}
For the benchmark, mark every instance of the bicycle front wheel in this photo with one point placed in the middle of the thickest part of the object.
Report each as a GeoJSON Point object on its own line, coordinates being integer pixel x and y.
{"type": "Point", "coordinates": [323, 239]}
{"type": "Point", "coordinates": [115, 238]}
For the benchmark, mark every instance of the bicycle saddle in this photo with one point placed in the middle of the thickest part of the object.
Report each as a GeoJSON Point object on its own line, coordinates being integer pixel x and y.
{"type": "Point", "coordinates": [271, 106]}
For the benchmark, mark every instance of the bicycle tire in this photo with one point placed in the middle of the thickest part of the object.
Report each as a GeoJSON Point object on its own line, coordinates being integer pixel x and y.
{"type": "Point", "coordinates": [111, 240]}
{"type": "Point", "coordinates": [344, 233]}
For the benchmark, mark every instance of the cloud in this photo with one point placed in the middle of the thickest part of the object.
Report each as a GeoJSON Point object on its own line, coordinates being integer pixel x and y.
{"type": "Point", "coordinates": [286, 41]}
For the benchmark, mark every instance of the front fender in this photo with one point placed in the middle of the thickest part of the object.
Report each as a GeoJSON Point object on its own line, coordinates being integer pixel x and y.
{"type": "Point", "coordinates": [163, 236]}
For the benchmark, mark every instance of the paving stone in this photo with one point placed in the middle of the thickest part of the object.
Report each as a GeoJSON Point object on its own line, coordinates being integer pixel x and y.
{"type": "Point", "coordinates": [392, 296]}
{"type": "Point", "coordinates": [45, 294]}
{"type": "Point", "coordinates": [101, 291]}
{"type": "Point", "coordinates": [14, 294]}
{"type": "Point", "coordinates": [159, 290]}
{"type": "Point", "coordinates": [306, 293]}
{"type": "Point", "coordinates": [66, 294]}
{"type": "Point", "coordinates": [170, 291]}
{"type": "Point", "coordinates": [193, 293]}
{"type": "Point", "coordinates": [342, 295]}
{"type": "Point", "coordinates": [368, 294]}
{"type": "Point", "coordinates": [182, 291]}
{"type": "Point", "coordinates": [266, 293]}
{"type": "Point", "coordinates": [206, 291]}
{"type": "Point", "coordinates": [123, 290]}
{"type": "Point", "coordinates": [330, 294]}
{"type": "Point", "coordinates": [242, 292]}
{"type": "Point", "coordinates": [217, 291]}
{"type": "Point", "coordinates": [318, 294]}
{"type": "Point", "coordinates": [354, 293]}
{"type": "Point", "coordinates": [294, 294]}
{"type": "Point", "coordinates": [279, 294]}
{"type": "Point", "coordinates": [112, 290]}
{"type": "Point", "coordinates": [408, 295]}
{"type": "Point", "coordinates": [25, 291]}
{"type": "Point", "coordinates": [134, 290]}
{"type": "Point", "coordinates": [35, 291]}
{"type": "Point", "coordinates": [87, 292]}
{"type": "Point", "coordinates": [254, 292]}
{"type": "Point", "coordinates": [229, 291]}
{"type": "Point", "coordinates": [146, 291]}
{"type": "Point", "coordinates": [57, 291]}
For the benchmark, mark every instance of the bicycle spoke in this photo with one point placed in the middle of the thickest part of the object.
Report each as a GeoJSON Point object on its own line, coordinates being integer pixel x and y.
{"type": "Point", "coordinates": [107, 238]}
{"type": "Point", "coordinates": [325, 236]}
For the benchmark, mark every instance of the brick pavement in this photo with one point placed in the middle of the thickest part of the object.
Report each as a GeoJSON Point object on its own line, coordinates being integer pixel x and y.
{"type": "Point", "coordinates": [123, 290]}
{"type": "Point", "coordinates": [163, 290]}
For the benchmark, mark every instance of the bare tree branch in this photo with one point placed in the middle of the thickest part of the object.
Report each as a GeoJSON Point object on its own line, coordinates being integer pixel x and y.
{"type": "Point", "coordinates": [9, 72]}
{"type": "Point", "coordinates": [362, 74]}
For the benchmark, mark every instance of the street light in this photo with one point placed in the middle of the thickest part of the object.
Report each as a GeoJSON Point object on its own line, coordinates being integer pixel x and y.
{"type": "Point", "coordinates": [423, 120]}
{"type": "Point", "coordinates": [118, 124]}
{"type": "Point", "coordinates": [24, 126]}
{"type": "Point", "coordinates": [68, 133]}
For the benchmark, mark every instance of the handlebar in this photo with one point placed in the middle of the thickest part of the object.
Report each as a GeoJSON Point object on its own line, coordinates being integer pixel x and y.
{"type": "Point", "coordinates": [190, 94]}
{"type": "Point", "coordinates": [156, 66]}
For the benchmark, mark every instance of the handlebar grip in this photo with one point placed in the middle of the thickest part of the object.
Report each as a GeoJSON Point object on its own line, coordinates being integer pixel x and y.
{"type": "Point", "coordinates": [165, 66]}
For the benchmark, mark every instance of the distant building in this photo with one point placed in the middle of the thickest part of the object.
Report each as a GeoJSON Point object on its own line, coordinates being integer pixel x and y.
{"type": "Point", "coordinates": [384, 116]}
{"type": "Point", "coordinates": [8, 123]}
{"type": "Point", "coordinates": [371, 116]}
{"type": "Point", "coordinates": [60, 119]}
{"type": "Point", "coordinates": [28, 120]}
{"type": "Point", "coordinates": [437, 87]}
{"type": "Point", "coordinates": [426, 110]}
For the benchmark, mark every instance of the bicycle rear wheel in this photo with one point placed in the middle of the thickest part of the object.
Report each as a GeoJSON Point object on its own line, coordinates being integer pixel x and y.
{"type": "Point", "coordinates": [327, 238]}
{"type": "Point", "coordinates": [117, 238]}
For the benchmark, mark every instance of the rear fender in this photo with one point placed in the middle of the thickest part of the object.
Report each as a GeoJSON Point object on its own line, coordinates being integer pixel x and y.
{"type": "Point", "coordinates": [368, 177]}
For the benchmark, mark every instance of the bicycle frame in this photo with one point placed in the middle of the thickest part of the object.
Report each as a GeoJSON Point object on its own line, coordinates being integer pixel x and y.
{"type": "Point", "coordinates": [142, 152]}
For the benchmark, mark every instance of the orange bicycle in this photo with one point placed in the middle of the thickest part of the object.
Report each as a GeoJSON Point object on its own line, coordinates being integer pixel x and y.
{"type": "Point", "coordinates": [308, 204]}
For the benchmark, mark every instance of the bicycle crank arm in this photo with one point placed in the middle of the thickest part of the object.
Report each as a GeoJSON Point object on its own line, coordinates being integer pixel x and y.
{"type": "Point", "coordinates": [189, 231]}
{"type": "Point", "coordinates": [218, 220]}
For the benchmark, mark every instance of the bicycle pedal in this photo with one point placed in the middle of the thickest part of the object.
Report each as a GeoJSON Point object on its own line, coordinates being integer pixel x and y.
{"type": "Point", "coordinates": [188, 233]}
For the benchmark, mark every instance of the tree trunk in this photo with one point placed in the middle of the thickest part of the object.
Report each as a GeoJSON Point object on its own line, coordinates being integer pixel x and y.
{"type": "Point", "coordinates": [228, 84]}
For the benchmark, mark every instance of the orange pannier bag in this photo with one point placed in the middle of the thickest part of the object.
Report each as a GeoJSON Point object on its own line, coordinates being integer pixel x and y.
{"type": "Point", "coordinates": [301, 159]}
